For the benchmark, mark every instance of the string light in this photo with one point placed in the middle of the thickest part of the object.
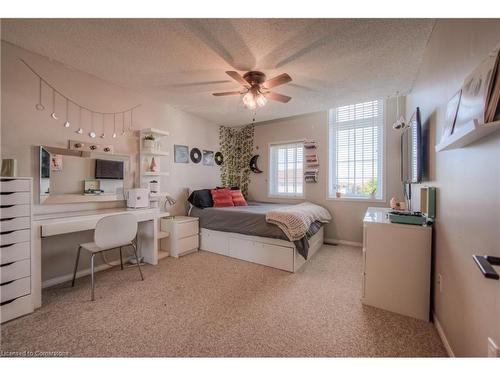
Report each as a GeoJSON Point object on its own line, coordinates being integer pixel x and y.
{"type": "Point", "coordinates": [40, 107]}
{"type": "Point", "coordinates": [66, 123]}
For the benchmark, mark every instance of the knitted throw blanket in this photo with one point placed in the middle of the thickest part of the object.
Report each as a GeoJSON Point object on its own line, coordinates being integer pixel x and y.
{"type": "Point", "coordinates": [295, 220]}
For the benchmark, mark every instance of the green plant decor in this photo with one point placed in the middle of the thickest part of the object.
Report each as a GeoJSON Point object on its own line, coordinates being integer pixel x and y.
{"type": "Point", "coordinates": [236, 145]}
{"type": "Point", "coordinates": [149, 137]}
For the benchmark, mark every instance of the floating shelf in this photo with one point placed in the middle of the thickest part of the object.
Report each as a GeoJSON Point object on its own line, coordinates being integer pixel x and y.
{"type": "Point", "coordinates": [156, 153]}
{"type": "Point", "coordinates": [468, 133]}
{"type": "Point", "coordinates": [157, 133]}
{"type": "Point", "coordinates": [154, 174]}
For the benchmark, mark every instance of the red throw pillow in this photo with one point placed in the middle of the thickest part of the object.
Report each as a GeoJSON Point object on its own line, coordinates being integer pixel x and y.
{"type": "Point", "coordinates": [222, 198]}
{"type": "Point", "coordinates": [238, 198]}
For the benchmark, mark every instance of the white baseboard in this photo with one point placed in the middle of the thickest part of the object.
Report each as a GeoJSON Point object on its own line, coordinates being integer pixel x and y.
{"type": "Point", "coordinates": [334, 241]}
{"type": "Point", "coordinates": [69, 276]}
{"type": "Point", "coordinates": [441, 334]}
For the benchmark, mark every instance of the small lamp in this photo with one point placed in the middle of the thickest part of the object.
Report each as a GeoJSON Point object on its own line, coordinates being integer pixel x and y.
{"type": "Point", "coordinates": [169, 202]}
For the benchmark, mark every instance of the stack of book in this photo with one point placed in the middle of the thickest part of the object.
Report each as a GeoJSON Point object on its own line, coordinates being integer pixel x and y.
{"type": "Point", "coordinates": [311, 175]}
{"type": "Point", "coordinates": [312, 162]}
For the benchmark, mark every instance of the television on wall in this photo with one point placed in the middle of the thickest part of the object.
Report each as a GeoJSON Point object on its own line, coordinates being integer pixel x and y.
{"type": "Point", "coordinates": [108, 169]}
{"type": "Point", "coordinates": [412, 150]}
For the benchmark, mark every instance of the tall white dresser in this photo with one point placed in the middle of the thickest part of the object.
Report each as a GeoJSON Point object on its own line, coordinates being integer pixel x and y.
{"type": "Point", "coordinates": [16, 253]}
{"type": "Point", "coordinates": [396, 265]}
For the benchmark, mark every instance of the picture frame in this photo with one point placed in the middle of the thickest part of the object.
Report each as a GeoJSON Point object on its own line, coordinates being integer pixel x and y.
{"type": "Point", "coordinates": [181, 154]}
{"type": "Point", "coordinates": [208, 158]}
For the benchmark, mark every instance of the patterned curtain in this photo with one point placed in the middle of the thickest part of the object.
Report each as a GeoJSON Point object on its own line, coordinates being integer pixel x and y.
{"type": "Point", "coordinates": [236, 145]}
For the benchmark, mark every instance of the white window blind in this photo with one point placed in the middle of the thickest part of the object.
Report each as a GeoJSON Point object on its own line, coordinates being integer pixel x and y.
{"type": "Point", "coordinates": [286, 169]}
{"type": "Point", "coordinates": [356, 150]}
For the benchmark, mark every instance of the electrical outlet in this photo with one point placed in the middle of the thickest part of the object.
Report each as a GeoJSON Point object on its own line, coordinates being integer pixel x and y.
{"type": "Point", "coordinates": [440, 282]}
{"type": "Point", "coordinates": [492, 348]}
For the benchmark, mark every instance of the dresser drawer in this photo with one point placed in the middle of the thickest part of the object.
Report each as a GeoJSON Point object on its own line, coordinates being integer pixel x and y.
{"type": "Point", "coordinates": [186, 229]}
{"type": "Point", "coordinates": [10, 211]}
{"type": "Point", "coordinates": [14, 252]}
{"type": "Point", "coordinates": [187, 244]}
{"type": "Point", "coordinates": [14, 308]}
{"type": "Point", "coordinates": [14, 270]}
{"type": "Point", "coordinates": [15, 198]}
{"type": "Point", "coordinates": [15, 223]}
{"type": "Point", "coordinates": [15, 288]}
{"type": "Point", "coordinates": [15, 236]}
{"type": "Point", "coordinates": [14, 185]}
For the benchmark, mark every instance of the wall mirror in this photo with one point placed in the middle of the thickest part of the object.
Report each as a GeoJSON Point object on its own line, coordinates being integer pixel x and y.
{"type": "Point", "coordinates": [69, 176]}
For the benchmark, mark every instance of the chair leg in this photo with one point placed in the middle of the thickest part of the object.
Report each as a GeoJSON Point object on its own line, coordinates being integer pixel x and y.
{"type": "Point", "coordinates": [92, 276]}
{"type": "Point", "coordinates": [121, 258]}
{"type": "Point", "coordinates": [137, 259]}
{"type": "Point", "coordinates": [76, 266]}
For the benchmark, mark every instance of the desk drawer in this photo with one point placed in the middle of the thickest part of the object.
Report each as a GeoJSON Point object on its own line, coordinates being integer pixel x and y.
{"type": "Point", "coordinates": [14, 289]}
{"type": "Point", "coordinates": [15, 236]}
{"type": "Point", "coordinates": [15, 198]}
{"type": "Point", "coordinates": [14, 252]}
{"type": "Point", "coordinates": [14, 185]}
{"type": "Point", "coordinates": [15, 211]}
{"type": "Point", "coordinates": [15, 270]}
{"type": "Point", "coordinates": [14, 308]}
{"type": "Point", "coordinates": [187, 229]}
{"type": "Point", "coordinates": [15, 223]}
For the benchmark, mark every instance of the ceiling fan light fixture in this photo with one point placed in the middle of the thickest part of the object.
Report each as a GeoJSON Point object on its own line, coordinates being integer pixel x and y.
{"type": "Point", "coordinates": [261, 100]}
{"type": "Point", "coordinates": [249, 100]}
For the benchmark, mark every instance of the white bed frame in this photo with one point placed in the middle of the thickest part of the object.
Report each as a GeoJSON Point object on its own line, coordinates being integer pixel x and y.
{"type": "Point", "coordinates": [270, 252]}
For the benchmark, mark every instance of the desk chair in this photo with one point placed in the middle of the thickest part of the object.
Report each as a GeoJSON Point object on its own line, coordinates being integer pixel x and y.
{"type": "Point", "coordinates": [111, 232]}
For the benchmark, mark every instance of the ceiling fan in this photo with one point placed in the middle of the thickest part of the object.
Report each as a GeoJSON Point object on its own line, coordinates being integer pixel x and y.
{"type": "Point", "coordinates": [256, 89]}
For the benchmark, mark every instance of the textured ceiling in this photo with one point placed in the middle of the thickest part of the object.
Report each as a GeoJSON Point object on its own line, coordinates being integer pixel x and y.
{"type": "Point", "coordinates": [183, 61]}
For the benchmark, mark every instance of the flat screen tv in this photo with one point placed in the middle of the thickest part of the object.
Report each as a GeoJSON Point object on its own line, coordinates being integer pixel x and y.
{"type": "Point", "coordinates": [108, 169]}
{"type": "Point", "coordinates": [412, 150]}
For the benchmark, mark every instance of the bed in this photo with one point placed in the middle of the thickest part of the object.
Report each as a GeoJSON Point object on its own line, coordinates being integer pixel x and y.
{"type": "Point", "coordinates": [243, 233]}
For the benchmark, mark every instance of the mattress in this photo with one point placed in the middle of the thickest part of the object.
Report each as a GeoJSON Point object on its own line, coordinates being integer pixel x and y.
{"type": "Point", "coordinates": [250, 220]}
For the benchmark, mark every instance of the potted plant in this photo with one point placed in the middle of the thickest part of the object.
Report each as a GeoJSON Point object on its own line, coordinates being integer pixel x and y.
{"type": "Point", "coordinates": [148, 142]}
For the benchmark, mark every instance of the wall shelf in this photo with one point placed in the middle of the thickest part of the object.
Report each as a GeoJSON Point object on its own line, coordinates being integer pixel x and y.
{"type": "Point", "coordinates": [155, 174]}
{"type": "Point", "coordinates": [155, 153]}
{"type": "Point", "coordinates": [468, 133]}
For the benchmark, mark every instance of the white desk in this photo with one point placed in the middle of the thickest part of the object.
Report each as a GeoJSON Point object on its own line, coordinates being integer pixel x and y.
{"type": "Point", "coordinates": [54, 224]}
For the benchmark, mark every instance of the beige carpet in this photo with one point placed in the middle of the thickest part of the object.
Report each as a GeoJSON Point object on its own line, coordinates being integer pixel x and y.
{"type": "Point", "coordinates": [208, 305]}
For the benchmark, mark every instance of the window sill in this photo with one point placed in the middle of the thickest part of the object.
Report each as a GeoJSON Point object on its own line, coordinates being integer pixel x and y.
{"type": "Point", "coordinates": [287, 197]}
{"type": "Point", "coordinates": [360, 200]}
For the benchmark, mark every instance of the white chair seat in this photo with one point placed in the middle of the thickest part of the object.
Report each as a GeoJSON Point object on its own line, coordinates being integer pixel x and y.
{"type": "Point", "coordinates": [111, 232]}
{"type": "Point", "coordinates": [92, 247]}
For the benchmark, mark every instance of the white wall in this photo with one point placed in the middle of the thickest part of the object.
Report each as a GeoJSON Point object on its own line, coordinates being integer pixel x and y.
{"type": "Point", "coordinates": [23, 128]}
{"type": "Point", "coordinates": [347, 215]}
{"type": "Point", "coordinates": [468, 179]}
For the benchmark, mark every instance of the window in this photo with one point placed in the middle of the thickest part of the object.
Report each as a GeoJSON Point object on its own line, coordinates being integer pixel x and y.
{"type": "Point", "coordinates": [356, 152]}
{"type": "Point", "coordinates": [286, 170]}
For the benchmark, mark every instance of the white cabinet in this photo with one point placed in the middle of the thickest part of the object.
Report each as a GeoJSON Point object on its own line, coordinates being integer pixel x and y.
{"type": "Point", "coordinates": [16, 254]}
{"type": "Point", "coordinates": [183, 234]}
{"type": "Point", "coordinates": [396, 265]}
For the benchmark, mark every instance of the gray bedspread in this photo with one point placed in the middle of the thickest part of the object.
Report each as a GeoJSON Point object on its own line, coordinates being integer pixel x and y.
{"type": "Point", "coordinates": [250, 220]}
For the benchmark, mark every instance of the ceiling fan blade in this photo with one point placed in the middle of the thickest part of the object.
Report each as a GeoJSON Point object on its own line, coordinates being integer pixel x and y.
{"type": "Point", "coordinates": [226, 93]}
{"type": "Point", "coordinates": [276, 81]}
{"type": "Point", "coordinates": [238, 78]}
{"type": "Point", "coordinates": [278, 97]}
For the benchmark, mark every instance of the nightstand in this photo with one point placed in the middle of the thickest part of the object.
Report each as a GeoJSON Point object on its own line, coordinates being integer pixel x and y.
{"type": "Point", "coordinates": [184, 234]}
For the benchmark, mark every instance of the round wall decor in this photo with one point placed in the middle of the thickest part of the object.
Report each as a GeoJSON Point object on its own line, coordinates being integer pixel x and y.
{"type": "Point", "coordinates": [219, 159]}
{"type": "Point", "coordinates": [195, 155]}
